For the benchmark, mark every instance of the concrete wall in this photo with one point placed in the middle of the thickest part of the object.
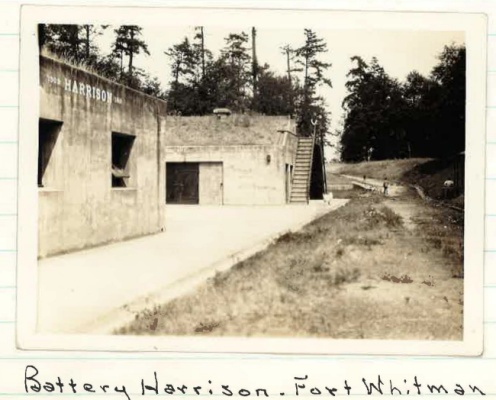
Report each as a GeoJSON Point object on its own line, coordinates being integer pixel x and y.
{"type": "Point", "coordinates": [241, 143]}
{"type": "Point", "coordinates": [78, 207]}
{"type": "Point", "coordinates": [248, 178]}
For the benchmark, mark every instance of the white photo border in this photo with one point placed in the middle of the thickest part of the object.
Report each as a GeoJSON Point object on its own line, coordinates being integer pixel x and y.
{"type": "Point", "coordinates": [475, 27]}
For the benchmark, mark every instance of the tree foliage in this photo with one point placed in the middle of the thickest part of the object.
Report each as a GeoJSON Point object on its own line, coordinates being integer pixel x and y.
{"type": "Point", "coordinates": [309, 104]}
{"type": "Point", "coordinates": [128, 43]}
{"type": "Point", "coordinates": [77, 44]}
{"type": "Point", "coordinates": [422, 117]}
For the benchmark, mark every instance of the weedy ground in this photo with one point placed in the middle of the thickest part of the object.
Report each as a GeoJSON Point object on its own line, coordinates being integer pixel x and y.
{"type": "Point", "coordinates": [361, 271]}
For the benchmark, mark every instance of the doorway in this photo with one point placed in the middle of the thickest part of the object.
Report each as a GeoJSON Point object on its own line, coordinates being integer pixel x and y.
{"type": "Point", "coordinates": [182, 183]}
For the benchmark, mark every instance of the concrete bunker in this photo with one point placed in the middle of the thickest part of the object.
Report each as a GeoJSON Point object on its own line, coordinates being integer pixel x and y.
{"type": "Point", "coordinates": [100, 160]}
{"type": "Point", "coordinates": [110, 159]}
{"type": "Point", "coordinates": [234, 160]}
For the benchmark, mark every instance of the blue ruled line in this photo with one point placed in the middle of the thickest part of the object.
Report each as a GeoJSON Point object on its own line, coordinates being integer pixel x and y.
{"type": "Point", "coordinates": [8, 106]}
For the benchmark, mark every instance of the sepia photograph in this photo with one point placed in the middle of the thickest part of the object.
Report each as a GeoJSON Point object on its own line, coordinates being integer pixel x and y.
{"type": "Point", "coordinates": [227, 181]}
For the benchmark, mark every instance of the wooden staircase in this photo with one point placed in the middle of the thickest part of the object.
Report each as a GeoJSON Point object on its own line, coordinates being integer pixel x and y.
{"type": "Point", "coordinates": [300, 188]}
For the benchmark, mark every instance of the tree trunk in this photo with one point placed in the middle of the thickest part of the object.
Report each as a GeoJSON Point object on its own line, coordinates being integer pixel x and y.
{"type": "Point", "coordinates": [291, 99]}
{"type": "Point", "coordinates": [87, 28]}
{"type": "Point", "coordinates": [202, 52]}
{"type": "Point", "coordinates": [131, 51]}
{"type": "Point", "coordinates": [75, 42]}
{"type": "Point", "coordinates": [254, 59]}
{"type": "Point", "coordinates": [122, 64]}
{"type": "Point", "coordinates": [288, 61]}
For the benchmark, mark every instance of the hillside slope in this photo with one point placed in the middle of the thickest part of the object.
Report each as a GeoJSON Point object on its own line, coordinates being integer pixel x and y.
{"type": "Point", "coordinates": [428, 173]}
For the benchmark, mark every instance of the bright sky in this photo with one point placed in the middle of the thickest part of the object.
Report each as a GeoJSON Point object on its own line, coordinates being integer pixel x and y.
{"type": "Point", "coordinates": [399, 52]}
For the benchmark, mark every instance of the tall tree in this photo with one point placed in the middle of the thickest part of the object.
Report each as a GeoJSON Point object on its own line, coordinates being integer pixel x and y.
{"type": "Point", "coordinates": [273, 93]}
{"type": "Point", "coordinates": [254, 60]}
{"type": "Point", "coordinates": [423, 117]}
{"type": "Point", "coordinates": [128, 42]}
{"type": "Point", "coordinates": [373, 127]}
{"type": "Point", "coordinates": [63, 40]}
{"type": "Point", "coordinates": [200, 36]}
{"type": "Point", "coordinates": [236, 58]}
{"type": "Point", "coordinates": [184, 61]}
{"type": "Point", "coordinates": [90, 32]}
{"type": "Point", "coordinates": [308, 58]}
{"type": "Point", "coordinates": [450, 75]}
{"type": "Point", "coordinates": [289, 53]}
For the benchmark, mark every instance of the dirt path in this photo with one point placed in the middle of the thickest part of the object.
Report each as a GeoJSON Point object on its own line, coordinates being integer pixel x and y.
{"type": "Point", "coordinates": [400, 199]}
{"type": "Point", "coordinates": [406, 208]}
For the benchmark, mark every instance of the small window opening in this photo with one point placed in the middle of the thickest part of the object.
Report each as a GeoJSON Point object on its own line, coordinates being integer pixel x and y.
{"type": "Point", "coordinates": [121, 151]}
{"type": "Point", "coordinates": [48, 133]}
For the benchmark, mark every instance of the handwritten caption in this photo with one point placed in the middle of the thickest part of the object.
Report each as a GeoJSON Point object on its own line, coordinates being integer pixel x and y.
{"type": "Point", "coordinates": [35, 382]}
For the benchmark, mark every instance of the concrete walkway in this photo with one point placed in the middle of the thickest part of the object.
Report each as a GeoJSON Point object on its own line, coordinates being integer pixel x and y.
{"type": "Point", "coordinates": [87, 290]}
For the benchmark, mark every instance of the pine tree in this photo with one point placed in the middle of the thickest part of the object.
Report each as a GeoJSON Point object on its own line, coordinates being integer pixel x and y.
{"type": "Point", "coordinates": [236, 60]}
{"type": "Point", "coordinates": [254, 60]}
{"type": "Point", "coordinates": [184, 64]}
{"type": "Point", "coordinates": [128, 43]}
{"type": "Point", "coordinates": [307, 57]}
{"type": "Point", "coordinates": [289, 53]}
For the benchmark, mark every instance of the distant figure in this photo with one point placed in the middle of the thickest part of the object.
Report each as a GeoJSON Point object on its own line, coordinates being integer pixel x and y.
{"type": "Point", "coordinates": [365, 177]}
{"type": "Point", "coordinates": [385, 185]}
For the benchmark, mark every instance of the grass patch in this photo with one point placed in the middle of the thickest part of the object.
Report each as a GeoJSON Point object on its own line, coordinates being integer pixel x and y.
{"type": "Point", "coordinates": [428, 173]}
{"type": "Point", "coordinates": [323, 281]}
{"type": "Point", "coordinates": [394, 170]}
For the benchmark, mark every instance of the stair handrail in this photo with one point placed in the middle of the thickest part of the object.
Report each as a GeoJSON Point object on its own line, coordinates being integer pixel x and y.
{"type": "Point", "coordinates": [309, 178]}
{"type": "Point", "coordinates": [322, 154]}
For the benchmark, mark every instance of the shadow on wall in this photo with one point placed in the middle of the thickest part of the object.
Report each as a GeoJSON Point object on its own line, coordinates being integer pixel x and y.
{"type": "Point", "coordinates": [317, 180]}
